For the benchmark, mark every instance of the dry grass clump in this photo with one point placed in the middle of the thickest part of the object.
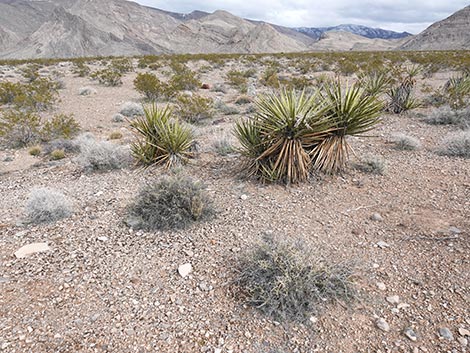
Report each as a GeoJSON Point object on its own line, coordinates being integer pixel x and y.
{"type": "Point", "coordinates": [86, 91]}
{"type": "Point", "coordinates": [169, 203]}
{"type": "Point", "coordinates": [445, 115]}
{"type": "Point", "coordinates": [46, 205]}
{"type": "Point", "coordinates": [405, 142]}
{"type": "Point", "coordinates": [372, 164]}
{"type": "Point", "coordinates": [287, 281]}
{"type": "Point", "coordinates": [131, 109]}
{"type": "Point", "coordinates": [456, 145]}
{"type": "Point", "coordinates": [57, 155]}
{"type": "Point", "coordinates": [35, 151]}
{"type": "Point", "coordinates": [101, 155]}
{"type": "Point", "coordinates": [223, 146]}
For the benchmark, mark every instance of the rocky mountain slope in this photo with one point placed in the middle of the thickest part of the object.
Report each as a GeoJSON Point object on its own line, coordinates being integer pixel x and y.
{"type": "Point", "coordinates": [368, 32]}
{"type": "Point", "coordinates": [452, 33]}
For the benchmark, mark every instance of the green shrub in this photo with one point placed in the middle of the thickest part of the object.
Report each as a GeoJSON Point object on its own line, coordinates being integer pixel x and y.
{"type": "Point", "coordinates": [151, 87]}
{"type": "Point", "coordinates": [375, 83]}
{"type": "Point", "coordinates": [115, 135]}
{"type": "Point", "coordinates": [161, 139]}
{"type": "Point", "coordinates": [194, 108]}
{"type": "Point", "coordinates": [270, 77]}
{"type": "Point", "coordinates": [401, 99]}
{"type": "Point", "coordinates": [286, 280]}
{"type": "Point", "coordinates": [237, 79]}
{"type": "Point", "coordinates": [122, 65]}
{"type": "Point", "coordinates": [170, 203]}
{"type": "Point", "coordinates": [38, 95]}
{"type": "Point", "coordinates": [131, 109]}
{"type": "Point", "coordinates": [35, 151]}
{"type": "Point", "coordinates": [60, 126]}
{"type": "Point", "coordinates": [19, 128]}
{"type": "Point", "coordinates": [30, 72]}
{"type": "Point", "coordinates": [57, 155]}
{"type": "Point", "coordinates": [184, 79]}
{"type": "Point", "coordinates": [108, 77]}
{"type": "Point", "coordinates": [81, 69]}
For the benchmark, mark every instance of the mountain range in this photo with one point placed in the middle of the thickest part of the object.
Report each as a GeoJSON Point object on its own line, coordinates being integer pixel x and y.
{"type": "Point", "coordinates": [75, 28]}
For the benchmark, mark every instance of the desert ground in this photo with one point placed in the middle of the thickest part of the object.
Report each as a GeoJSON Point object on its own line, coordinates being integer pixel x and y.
{"type": "Point", "coordinates": [105, 287]}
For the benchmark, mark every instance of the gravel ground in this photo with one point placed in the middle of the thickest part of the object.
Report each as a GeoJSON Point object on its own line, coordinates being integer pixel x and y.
{"type": "Point", "coordinates": [104, 287]}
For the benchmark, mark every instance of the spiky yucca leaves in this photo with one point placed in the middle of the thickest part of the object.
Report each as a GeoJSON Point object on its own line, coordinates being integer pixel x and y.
{"type": "Point", "coordinates": [278, 140]}
{"type": "Point", "coordinates": [375, 83]}
{"type": "Point", "coordinates": [401, 99]}
{"type": "Point", "coordinates": [349, 112]}
{"type": "Point", "coordinates": [161, 139]}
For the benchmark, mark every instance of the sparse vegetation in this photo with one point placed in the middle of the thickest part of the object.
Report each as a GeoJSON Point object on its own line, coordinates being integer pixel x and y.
{"type": "Point", "coordinates": [223, 146]}
{"type": "Point", "coordinates": [101, 155]}
{"type": "Point", "coordinates": [60, 126]}
{"type": "Point", "coordinates": [445, 115]}
{"type": "Point", "coordinates": [19, 128]}
{"type": "Point", "coordinates": [108, 77]}
{"type": "Point", "coordinates": [405, 142]}
{"type": "Point", "coordinates": [86, 91]}
{"type": "Point", "coordinates": [194, 108]}
{"type": "Point", "coordinates": [115, 135]}
{"type": "Point", "coordinates": [161, 139]}
{"type": "Point", "coordinates": [456, 145]}
{"type": "Point", "coordinates": [286, 281]}
{"type": "Point", "coordinates": [47, 205]}
{"type": "Point", "coordinates": [35, 151]}
{"type": "Point", "coordinates": [131, 110]}
{"type": "Point", "coordinates": [170, 203]}
{"type": "Point", "coordinates": [57, 155]}
{"type": "Point", "coordinates": [372, 164]}
{"type": "Point", "coordinates": [151, 87]}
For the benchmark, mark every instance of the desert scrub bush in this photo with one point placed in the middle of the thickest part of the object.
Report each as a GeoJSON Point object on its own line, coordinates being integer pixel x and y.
{"type": "Point", "coordinates": [19, 128]}
{"type": "Point", "coordinates": [115, 135]}
{"type": "Point", "coordinates": [151, 87]}
{"type": "Point", "coordinates": [225, 108]}
{"type": "Point", "coordinates": [169, 203]}
{"type": "Point", "coordinates": [223, 146]}
{"type": "Point", "coordinates": [161, 139]}
{"type": "Point", "coordinates": [60, 126]}
{"type": "Point", "coordinates": [68, 146]}
{"type": "Point", "coordinates": [108, 77]}
{"type": "Point", "coordinates": [287, 281]}
{"type": "Point", "coordinates": [122, 65]}
{"type": "Point", "coordinates": [298, 83]}
{"type": "Point", "coordinates": [35, 151]}
{"type": "Point", "coordinates": [194, 108]}
{"type": "Point", "coordinates": [372, 164]}
{"type": "Point", "coordinates": [218, 87]}
{"type": "Point", "coordinates": [445, 115]}
{"type": "Point", "coordinates": [57, 155]}
{"type": "Point", "coordinates": [101, 155]}
{"type": "Point", "coordinates": [270, 78]}
{"type": "Point", "coordinates": [243, 99]}
{"type": "Point", "coordinates": [46, 205]}
{"type": "Point", "coordinates": [131, 109]}
{"type": "Point", "coordinates": [237, 79]}
{"type": "Point", "coordinates": [456, 145]}
{"type": "Point", "coordinates": [405, 142]}
{"type": "Point", "coordinates": [457, 90]}
{"type": "Point", "coordinates": [81, 69]}
{"type": "Point", "coordinates": [86, 91]}
{"type": "Point", "coordinates": [184, 79]}
{"type": "Point", "coordinates": [35, 96]}
{"type": "Point", "coordinates": [30, 72]}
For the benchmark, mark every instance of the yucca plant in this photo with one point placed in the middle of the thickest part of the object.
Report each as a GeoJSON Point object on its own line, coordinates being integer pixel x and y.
{"type": "Point", "coordinates": [375, 83]}
{"type": "Point", "coordinates": [349, 112]}
{"type": "Point", "coordinates": [277, 142]}
{"type": "Point", "coordinates": [401, 99]}
{"type": "Point", "coordinates": [161, 139]}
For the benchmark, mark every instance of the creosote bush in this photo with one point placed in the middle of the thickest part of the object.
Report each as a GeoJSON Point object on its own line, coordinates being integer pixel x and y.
{"type": "Point", "coordinates": [456, 145]}
{"type": "Point", "coordinates": [108, 77]}
{"type": "Point", "coordinates": [286, 281]}
{"type": "Point", "coordinates": [169, 203]}
{"type": "Point", "coordinates": [60, 126]}
{"type": "Point", "coordinates": [195, 108]}
{"type": "Point", "coordinates": [152, 88]}
{"type": "Point", "coordinates": [161, 139]}
{"type": "Point", "coordinates": [46, 205]}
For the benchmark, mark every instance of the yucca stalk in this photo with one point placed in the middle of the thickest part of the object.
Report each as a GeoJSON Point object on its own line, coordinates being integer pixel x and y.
{"type": "Point", "coordinates": [277, 141]}
{"type": "Point", "coordinates": [161, 139]}
{"type": "Point", "coordinates": [350, 112]}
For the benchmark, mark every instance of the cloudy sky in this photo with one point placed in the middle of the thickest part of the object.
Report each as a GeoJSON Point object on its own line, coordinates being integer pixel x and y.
{"type": "Point", "coordinates": [398, 15]}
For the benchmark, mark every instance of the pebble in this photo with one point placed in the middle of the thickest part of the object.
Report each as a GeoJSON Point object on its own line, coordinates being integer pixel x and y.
{"type": "Point", "coordinates": [381, 286]}
{"type": "Point", "coordinates": [454, 230]}
{"type": "Point", "coordinates": [376, 217]}
{"type": "Point", "coordinates": [381, 244]}
{"type": "Point", "coordinates": [393, 299]}
{"type": "Point", "coordinates": [464, 332]}
{"type": "Point", "coordinates": [103, 238]}
{"type": "Point", "coordinates": [408, 332]}
{"type": "Point", "coordinates": [463, 341]}
{"type": "Point", "coordinates": [31, 249]}
{"type": "Point", "coordinates": [445, 333]}
{"type": "Point", "coordinates": [185, 269]}
{"type": "Point", "coordinates": [244, 197]}
{"type": "Point", "coordinates": [382, 324]}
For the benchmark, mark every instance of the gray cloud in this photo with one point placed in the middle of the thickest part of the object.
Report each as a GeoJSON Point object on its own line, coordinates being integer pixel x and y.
{"type": "Point", "coordinates": [399, 15]}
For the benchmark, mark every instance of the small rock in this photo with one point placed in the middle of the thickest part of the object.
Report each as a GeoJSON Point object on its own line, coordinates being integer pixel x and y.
{"type": "Point", "coordinates": [4, 280]}
{"type": "Point", "coordinates": [218, 350]}
{"type": "Point", "coordinates": [103, 238]}
{"type": "Point", "coordinates": [313, 319]}
{"type": "Point", "coordinates": [118, 118]}
{"type": "Point", "coordinates": [382, 324]}
{"type": "Point", "coordinates": [445, 333]}
{"type": "Point", "coordinates": [393, 299]}
{"type": "Point", "coordinates": [381, 244]}
{"type": "Point", "coordinates": [381, 285]}
{"type": "Point", "coordinates": [376, 217]}
{"type": "Point", "coordinates": [463, 341]}
{"type": "Point", "coordinates": [403, 306]}
{"type": "Point", "coordinates": [464, 332]}
{"type": "Point", "coordinates": [454, 230]}
{"type": "Point", "coordinates": [184, 269]}
{"type": "Point", "coordinates": [408, 332]}
{"type": "Point", "coordinates": [243, 197]}
{"type": "Point", "coordinates": [31, 249]}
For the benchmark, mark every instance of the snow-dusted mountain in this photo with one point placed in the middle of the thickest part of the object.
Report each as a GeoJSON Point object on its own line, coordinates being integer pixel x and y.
{"type": "Point", "coordinates": [368, 32]}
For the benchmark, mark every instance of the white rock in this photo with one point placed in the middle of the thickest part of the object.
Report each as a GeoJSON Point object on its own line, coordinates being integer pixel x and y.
{"type": "Point", "coordinates": [463, 341]}
{"type": "Point", "coordinates": [376, 217]}
{"type": "Point", "coordinates": [103, 238]}
{"type": "Point", "coordinates": [381, 285]}
{"type": "Point", "coordinates": [244, 197]}
{"type": "Point", "coordinates": [393, 299]}
{"type": "Point", "coordinates": [382, 324]}
{"type": "Point", "coordinates": [31, 249]}
{"type": "Point", "coordinates": [381, 244]}
{"type": "Point", "coordinates": [185, 269]}
{"type": "Point", "coordinates": [464, 332]}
